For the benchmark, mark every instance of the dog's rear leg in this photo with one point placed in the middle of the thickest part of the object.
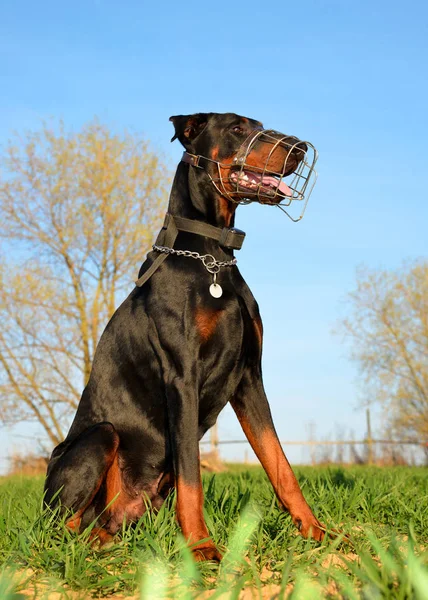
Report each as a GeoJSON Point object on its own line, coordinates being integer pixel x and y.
{"type": "Point", "coordinates": [252, 409]}
{"type": "Point", "coordinates": [77, 469]}
{"type": "Point", "coordinates": [183, 425]}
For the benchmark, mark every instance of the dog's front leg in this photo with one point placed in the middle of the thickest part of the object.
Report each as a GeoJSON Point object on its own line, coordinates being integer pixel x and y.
{"type": "Point", "coordinates": [252, 409]}
{"type": "Point", "coordinates": [183, 425]}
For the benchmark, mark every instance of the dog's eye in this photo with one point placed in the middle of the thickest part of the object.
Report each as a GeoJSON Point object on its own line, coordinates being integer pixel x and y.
{"type": "Point", "coordinates": [237, 129]}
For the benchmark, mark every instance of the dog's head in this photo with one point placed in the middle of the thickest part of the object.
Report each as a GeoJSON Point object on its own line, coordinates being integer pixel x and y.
{"type": "Point", "coordinates": [244, 161]}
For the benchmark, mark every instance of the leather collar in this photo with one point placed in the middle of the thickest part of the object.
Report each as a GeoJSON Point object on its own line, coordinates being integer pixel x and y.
{"type": "Point", "coordinates": [228, 237]}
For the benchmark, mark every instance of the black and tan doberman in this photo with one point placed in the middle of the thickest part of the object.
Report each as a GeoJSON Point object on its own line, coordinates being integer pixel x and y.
{"type": "Point", "coordinates": [186, 341]}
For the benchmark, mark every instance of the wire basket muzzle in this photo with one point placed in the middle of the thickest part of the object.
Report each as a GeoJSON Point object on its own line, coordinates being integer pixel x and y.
{"type": "Point", "coordinates": [273, 169]}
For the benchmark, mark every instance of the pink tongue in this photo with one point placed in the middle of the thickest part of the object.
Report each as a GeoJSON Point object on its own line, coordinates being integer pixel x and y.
{"type": "Point", "coordinates": [282, 187]}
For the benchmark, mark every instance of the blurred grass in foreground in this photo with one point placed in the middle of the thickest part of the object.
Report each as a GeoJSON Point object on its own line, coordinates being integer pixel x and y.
{"type": "Point", "coordinates": [383, 510]}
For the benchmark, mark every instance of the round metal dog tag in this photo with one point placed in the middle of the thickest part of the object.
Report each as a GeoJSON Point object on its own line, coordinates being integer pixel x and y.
{"type": "Point", "coordinates": [216, 290]}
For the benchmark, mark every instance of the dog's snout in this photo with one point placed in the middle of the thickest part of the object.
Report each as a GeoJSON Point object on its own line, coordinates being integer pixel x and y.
{"type": "Point", "coordinates": [296, 144]}
{"type": "Point", "coordinates": [302, 146]}
{"type": "Point", "coordinates": [298, 149]}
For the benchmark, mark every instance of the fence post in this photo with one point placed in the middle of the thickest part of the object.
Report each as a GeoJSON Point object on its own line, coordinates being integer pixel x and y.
{"type": "Point", "coordinates": [214, 442]}
{"type": "Point", "coordinates": [312, 447]}
{"type": "Point", "coordinates": [369, 439]}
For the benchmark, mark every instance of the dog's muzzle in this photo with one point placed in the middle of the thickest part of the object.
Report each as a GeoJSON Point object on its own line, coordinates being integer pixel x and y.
{"type": "Point", "coordinates": [269, 168]}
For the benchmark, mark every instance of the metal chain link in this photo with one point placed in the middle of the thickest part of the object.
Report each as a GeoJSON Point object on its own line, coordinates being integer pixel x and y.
{"type": "Point", "coordinates": [212, 265]}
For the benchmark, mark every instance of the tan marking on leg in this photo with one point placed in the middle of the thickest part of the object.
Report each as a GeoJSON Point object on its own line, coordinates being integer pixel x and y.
{"type": "Point", "coordinates": [100, 537]}
{"type": "Point", "coordinates": [190, 515]}
{"type": "Point", "coordinates": [75, 521]}
{"type": "Point", "coordinates": [268, 450]}
{"type": "Point", "coordinates": [113, 484]}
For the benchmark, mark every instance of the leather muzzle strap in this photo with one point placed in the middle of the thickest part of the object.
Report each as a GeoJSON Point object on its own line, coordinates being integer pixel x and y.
{"type": "Point", "coordinates": [227, 237]}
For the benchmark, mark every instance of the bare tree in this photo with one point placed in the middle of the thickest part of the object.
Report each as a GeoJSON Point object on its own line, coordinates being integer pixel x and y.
{"type": "Point", "coordinates": [78, 214]}
{"type": "Point", "coordinates": [387, 327]}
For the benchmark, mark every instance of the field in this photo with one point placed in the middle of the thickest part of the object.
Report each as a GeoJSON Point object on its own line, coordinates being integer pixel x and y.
{"type": "Point", "coordinates": [384, 511]}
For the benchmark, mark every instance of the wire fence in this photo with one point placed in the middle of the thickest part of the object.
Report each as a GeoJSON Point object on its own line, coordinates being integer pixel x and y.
{"type": "Point", "coordinates": [366, 451]}
{"type": "Point", "coordinates": [369, 450]}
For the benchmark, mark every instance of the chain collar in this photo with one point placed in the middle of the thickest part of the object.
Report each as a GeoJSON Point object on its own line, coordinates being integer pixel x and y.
{"type": "Point", "coordinates": [212, 265]}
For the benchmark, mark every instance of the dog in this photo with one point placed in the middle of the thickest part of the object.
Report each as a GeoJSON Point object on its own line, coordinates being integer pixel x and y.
{"type": "Point", "coordinates": [186, 341]}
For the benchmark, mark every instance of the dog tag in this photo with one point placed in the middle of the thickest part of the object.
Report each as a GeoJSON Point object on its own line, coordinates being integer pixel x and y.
{"type": "Point", "coordinates": [216, 290]}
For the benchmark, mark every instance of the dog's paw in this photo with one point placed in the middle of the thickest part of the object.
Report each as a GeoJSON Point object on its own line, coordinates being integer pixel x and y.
{"type": "Point", "coordinates": [100, 538]}
{"type": "Point", "coordinates": [210, 553]}
{"type": "Point", "coordinates": [308, 525]}
{"type": "Point", "coordinates": [311, 530]}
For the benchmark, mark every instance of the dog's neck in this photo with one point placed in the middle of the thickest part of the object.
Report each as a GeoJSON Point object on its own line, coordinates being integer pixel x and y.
{"type": "Point", "coordinates": [194, 196]}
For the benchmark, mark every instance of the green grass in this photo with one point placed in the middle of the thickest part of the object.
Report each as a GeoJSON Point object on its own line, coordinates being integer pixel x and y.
{"type": "Point", "coordinates": [384, 511]}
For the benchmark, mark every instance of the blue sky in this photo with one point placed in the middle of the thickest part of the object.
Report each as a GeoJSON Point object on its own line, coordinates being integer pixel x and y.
{"type": "Point", "coordinates": [351, 77]}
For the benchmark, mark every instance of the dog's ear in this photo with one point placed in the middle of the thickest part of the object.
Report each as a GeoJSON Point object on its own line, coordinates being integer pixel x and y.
{"type": "Point", "coordinates": [188, 127]}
